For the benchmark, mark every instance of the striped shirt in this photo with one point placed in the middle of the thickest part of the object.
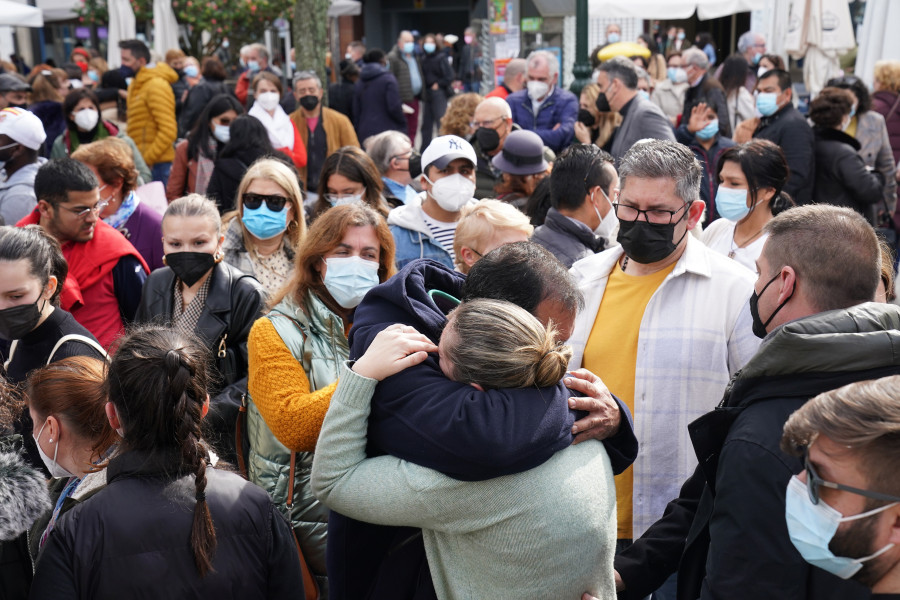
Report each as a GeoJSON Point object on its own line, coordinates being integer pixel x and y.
{"type": "Point", "coordinates": [443, 233]}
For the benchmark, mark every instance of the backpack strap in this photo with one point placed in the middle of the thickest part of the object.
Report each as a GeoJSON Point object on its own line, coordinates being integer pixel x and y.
{"type": "Point", "coordinates": [12, 352]}
{"type": "Point", "coordinates": [75, 337]}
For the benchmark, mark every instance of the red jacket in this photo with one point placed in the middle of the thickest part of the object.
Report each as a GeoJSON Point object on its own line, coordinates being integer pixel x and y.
{"type": "Point", "coordinates": [88, 291]}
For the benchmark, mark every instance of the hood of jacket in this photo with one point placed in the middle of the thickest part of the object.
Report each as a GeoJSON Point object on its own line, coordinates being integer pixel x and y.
{"type": "Point", "coordinates": [829, 345]}
{"type": "Point", "coordinates": [371, 71]}
{"type": "Point", "coordinates": [409, 216]}
{"type": "Point", "coordinates": [23, 492]}
{"type": "Point", "coordinates": [160, 71]}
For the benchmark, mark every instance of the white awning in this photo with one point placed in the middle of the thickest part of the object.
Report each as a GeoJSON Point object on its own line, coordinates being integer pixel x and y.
{"type": "Point", "coordinates": [345, 8]}
{"type": "Point", "coordinates": [58, 10]}
{"type": "Point", "coordinates": [669, 9]}
{"type": "Point", "coordinates": [20, 15]}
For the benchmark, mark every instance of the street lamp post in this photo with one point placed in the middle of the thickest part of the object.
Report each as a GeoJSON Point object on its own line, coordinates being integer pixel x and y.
{"type": "Point", "coordinates": [582, 67]}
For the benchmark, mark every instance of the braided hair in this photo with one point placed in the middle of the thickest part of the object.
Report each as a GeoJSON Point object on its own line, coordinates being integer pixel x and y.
{"type": "Point", "coordinates": [158, 383]}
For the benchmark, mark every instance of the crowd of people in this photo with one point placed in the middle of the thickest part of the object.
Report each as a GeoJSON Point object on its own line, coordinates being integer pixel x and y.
{"type": "Point", "coordinates": [386, 337]}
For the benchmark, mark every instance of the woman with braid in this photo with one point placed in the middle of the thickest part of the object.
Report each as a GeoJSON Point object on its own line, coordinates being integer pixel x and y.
{"type": "Point", "coordinates": [167, 525]}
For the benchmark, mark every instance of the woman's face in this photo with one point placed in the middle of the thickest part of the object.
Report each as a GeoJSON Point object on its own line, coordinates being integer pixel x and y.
{"type": "Point", "coordinates": [360, 241]}
{"type": "Point", "coordinates": [109, 193]}
{"type": "Point", "coordinates": [224, 119]}
{"type": "Point", "coordinates": [83, 104]}
{"type": "Point", "coordinates": [266, 187]}
{"type": "Point", "coordinates": [190, 234]}
{"type": "Point", "coordinates": [18, 286]}
{"type": "Point", "coordinates": [264, 86]}
{"type": "Point", "coordinates": [338, 185]}
{"type": "Point", "coordinates": [589, 105]}
{"type": "Point", "coordinates": [732, 176]}
{"type": "Point", "coordinates": [766, 64]}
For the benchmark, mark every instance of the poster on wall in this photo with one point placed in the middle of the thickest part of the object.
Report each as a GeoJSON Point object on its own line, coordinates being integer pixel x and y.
{"type": "Point", "coordinates": [500, 69]}
{"type": "Point", "coordinates": [501, 16]}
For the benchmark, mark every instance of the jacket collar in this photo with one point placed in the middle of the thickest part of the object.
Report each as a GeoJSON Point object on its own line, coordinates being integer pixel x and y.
{"type": "Point", "coordinates": [558, 222]}
{"type": "Point", "coordinates": [836, 135]}
{"type": "Point", "coordinates": [131, 463]}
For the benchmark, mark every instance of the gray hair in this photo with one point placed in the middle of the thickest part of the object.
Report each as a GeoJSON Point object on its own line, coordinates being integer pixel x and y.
{"type": "Point", "coordinates": [304, 75]}
{"type": "Point", "coordinates": [384, 146]}
{"type": "Point", "coordinates": [622, 69]}
{"type": "Point", "coordinates": [643, 74]}
{"type": "Point", "coordinates": [696, 57]}
{"type": "Point", "coordinates": [654, 159]}
{"type": "Point", "coordinates": [260, 49]}
{"type": "Point", "coordinates": [747, 40]}
{"type": "Point", "coordinates": [546, 56]}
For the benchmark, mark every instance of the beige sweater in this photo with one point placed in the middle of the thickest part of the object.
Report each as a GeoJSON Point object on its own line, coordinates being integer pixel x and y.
{"type": "Point", "coordinates": [546, 533]}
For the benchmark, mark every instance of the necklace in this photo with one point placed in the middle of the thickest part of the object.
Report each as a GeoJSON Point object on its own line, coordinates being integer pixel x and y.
{"type": "Point", "coordinates": [745, 243]}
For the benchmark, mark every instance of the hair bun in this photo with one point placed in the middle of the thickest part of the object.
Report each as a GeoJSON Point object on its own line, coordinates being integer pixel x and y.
{"type": "Point", "coordinates": [553, 363]}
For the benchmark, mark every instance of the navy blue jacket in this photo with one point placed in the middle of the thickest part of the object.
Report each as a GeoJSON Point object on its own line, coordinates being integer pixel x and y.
{"type": "Point", "coordinates": [376, 102]}
{"type": "Point", "coordinates": [421, 416]}
{"type": "Point", "coordinates": [561, 108]}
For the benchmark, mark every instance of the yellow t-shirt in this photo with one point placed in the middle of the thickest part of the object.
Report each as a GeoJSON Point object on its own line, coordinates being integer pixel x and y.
{"type": "Point", "coordinates": [611, 353]}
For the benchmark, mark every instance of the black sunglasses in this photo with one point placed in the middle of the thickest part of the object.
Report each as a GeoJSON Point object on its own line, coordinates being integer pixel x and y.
{"type": "Point", "coordinates": [274, 201]}
{"type": "Point", "coordinates": [814, 482]}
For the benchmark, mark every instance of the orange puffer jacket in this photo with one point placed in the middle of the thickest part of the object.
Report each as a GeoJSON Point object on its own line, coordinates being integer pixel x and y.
{"type": "Point", "coordinates": [151, 113]}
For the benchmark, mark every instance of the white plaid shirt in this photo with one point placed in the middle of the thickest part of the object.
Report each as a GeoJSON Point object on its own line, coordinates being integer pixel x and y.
{"type": "Point", "coordinates": [696, 332]}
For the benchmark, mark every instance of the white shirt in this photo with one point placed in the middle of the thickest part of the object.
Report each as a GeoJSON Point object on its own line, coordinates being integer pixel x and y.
{"type": "Point", "coordinates": [719, 236]}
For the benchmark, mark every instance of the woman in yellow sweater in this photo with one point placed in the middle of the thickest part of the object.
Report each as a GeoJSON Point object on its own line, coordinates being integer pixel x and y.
{"type": "Point", "coordinates": [295, 354]}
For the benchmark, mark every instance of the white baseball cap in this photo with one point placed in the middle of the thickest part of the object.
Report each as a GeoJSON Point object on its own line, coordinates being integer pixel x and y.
{"type": "Point", "coordinates": [445, 149]}
{"type": "Point", "coordinates": [22, 126]}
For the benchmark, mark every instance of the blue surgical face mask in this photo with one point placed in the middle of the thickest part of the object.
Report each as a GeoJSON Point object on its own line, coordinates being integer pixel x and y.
{"type": "Point", "coordinates": [253, 65]}
{"type": "Point", "coordinates": [853, 111]}
{"type": "Point", "coordinates": [429, 47]}
{"type": "Point", "coordinates": [757, 57]}
{"type": "Point", "coordinates": [644, 94]}
{"type": "Point", "coordinates": [263, 222]}
{"type": "Point", "coordinates": [613, 38]}
{"type": "Point", "coordinates": [222, 133]}
{"type": "Point", "coordinates": [348, 279]}
{"type": "Point", "coordinates": [710, 131]}
{"type": "Point", "coordinates": [676, 74]}
{"type": "Point", "coordinates": [812, 526]}
{"type": "Point", "coordinates": [680, 35]}
{"type": "Point", "coordinates": [408, 47]}
{"type": "Point", "coordinates": [767, 103]}
{"type": "Point", "coordinates": [732, 203]}
{"type": "Point", "coordinates": [191, 71]}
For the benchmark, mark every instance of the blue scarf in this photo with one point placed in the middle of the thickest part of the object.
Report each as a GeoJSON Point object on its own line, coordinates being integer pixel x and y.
{"type": "Point", "coordinates": [118, 218]}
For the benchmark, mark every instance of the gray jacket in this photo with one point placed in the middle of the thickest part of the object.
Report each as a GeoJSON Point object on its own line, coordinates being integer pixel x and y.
{"type": "Point", "coordinates": [871, 133]}
{"type": "Point", "coordinates": [17, 197]}
{"type": "Point", "coordinates": [644, 120]}
{"type": "Point", "coordinates": [567, 239]}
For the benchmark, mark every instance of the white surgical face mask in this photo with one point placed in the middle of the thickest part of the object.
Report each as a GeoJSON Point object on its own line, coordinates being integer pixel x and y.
{"type": "Point", "coordinates": [538, 90]}
{"type": "Point", "coordinates": [87, 119]}
{"type": "Point", "coordinates": [268, 100]}
{"type": "Point", "coordinates": [452, 192]}
{"type": "Point", "coordinates": [609, 225]}
{"type": "Point", "coordinates": [348, 279]}
{"type": "Point", "coordinates": [222, 133]}
{"type": "Point", "coordinates": [56, 470]}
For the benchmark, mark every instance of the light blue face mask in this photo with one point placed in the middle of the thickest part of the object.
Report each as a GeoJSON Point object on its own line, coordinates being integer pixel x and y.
{"type": "Point", "coordinates": [757, 57]}
{"type": "Point", "coordinates": [253, 65]}
{"type": "Point", "coordinates": [644, 94]}
{"type": "Point", "coordinates": [732, 203]}
{"type": "Point", "coordinates": [263, 222]}
{"type": "Point", "coordinates": [767, 103]}
{"type": "Point", "coordinates": [613, 38]}
{"type": "Point", "coordinates": [349, 278]}
{"type": "Point", "coordinates": [191, 71]}
{"type": "Point", "coordinates": [408, 47]}
{"type": "Point", "coordinates": [222, 133]}
{"type": "Point", "coordinates": [812, 526]}
{"type": "Point", "coordinates": [429, 47]}
{"type": "Point", "coordinates": [710, 131]}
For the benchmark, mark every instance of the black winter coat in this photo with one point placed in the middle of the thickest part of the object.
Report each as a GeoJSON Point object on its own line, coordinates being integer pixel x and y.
{"type": "Point", "coordinates": [788, 128]}
{"type": "Point", "coordinates": [229, 170]}
{"type": "Point", "coordinates": [131, 540]}
{"type": "Point", "coordinates": [842, 178]}
{"type": "Point", "coordinates": [197, 99]}
{"type": "Point", "coordinates": [726, 533]}
{"type": "Point", "coordinates": [709, 91]}
{"type": "Point", "coordinates": [436, 69]}
{"type": "Point", "coordinates": [376, 102]}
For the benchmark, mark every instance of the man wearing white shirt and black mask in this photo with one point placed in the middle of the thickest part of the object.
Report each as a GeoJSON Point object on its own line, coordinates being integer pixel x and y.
{"type": "Point", "coordinates": [426, 229]}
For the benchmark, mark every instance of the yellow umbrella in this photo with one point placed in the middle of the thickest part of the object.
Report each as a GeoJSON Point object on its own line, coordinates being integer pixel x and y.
{"type": "Point", "coordinates": [628, 49]}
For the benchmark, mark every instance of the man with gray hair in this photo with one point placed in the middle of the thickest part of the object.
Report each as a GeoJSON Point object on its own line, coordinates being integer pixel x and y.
{"type": "Point", "coordinates": [257, 61]}
{"type": "Point", "coordinates": [641, 119]}
{"type": "Point", "coordinates": [666, 323]}
{"type": "Point", "coordinates": [391, 152]}
{"type": "Point", "coordinates": [543, 107]}
{"type": "Point", "coordinates": [703, 89]}
{"type": "Point", "coordinates": [405, 66]}
{"type": "Point", "coordinates": [727, 534]}
{"type": "Point", "coordinates": [322, 129]}
{"type": "Point", "coordinates": [752, 46]}
{"type": "Point", "coordinates": [513, 79]}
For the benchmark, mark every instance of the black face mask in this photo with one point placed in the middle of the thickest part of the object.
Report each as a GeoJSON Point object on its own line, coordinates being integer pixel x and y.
{"type": "Point", "coordinates": [488, 139]}
{"type": "Point", "coordinates": [602, 103]}
{"type": "Point", "coordinates": [22, 106]}
{"type": "Point", "coordinates": [648, 243]}
{"type": "Point", "coordinates": [126, 71]}
{"type": "Point", "coordinates": [18, 321]}
{"type": "Point", "coordinates": [415, 164]}
{"type": "Point", "coordinates": [585, 116]}
{"type": "Point", "coordinates": [759, 328]}
{"type": "Point", "coordinates": [189, 267]}
{"type": "Point", "coordinates": [309, 102]}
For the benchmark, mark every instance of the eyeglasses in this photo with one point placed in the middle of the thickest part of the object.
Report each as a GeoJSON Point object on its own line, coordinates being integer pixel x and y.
{"type": "Point", "coordinates": [655, 216]}
{"type": "Point", "coordinates": [83, 213]}
{"type": "Point", "coordinates": [274, 202]}
{"type": "Point", "coordinates": [489, 124]}
{"type": "Point", "coordinates": [814, 482]}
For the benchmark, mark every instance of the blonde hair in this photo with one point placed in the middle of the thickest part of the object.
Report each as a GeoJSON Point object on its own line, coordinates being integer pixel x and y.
{"type": "Point", "coordinates": [280, 174]}
{"type": "Point", "coordinates": [479, 222]}
{"type": "Point", "coordinates": [887, 73]}
{"type": "Point", "coordinates": [862, 416]}
{"type": "Point", "coordinates": [195, 205]}
{"type": "Point", "coordinates": [497, 344]}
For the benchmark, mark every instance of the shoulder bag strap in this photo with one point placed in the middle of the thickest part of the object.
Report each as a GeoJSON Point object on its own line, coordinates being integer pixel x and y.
{"type": "Point", "coordinates": [12, 352]}
{"type": "Point", "coordinates": [239, 429]}
{"type": "Point", "coordinates": [893, 108]}
{"type": "Point", "coordinates": [75, 337]}
{"type": "Point", "coordinates": [310, 587]}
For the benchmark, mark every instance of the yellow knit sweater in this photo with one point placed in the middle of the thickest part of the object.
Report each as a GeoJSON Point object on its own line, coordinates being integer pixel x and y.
{"type": "Point", "coordinates": [280, 390]}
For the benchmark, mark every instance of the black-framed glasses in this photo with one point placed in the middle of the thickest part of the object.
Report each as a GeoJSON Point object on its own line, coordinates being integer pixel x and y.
{"type": "Point", "coordinates": [814, 482]}
{"type": "Point", "coordinates": [83, 213]}
{"type": "Point", "coordinates": [273, 201]}
{"type": "Point", "coordinates": [656, 216]}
